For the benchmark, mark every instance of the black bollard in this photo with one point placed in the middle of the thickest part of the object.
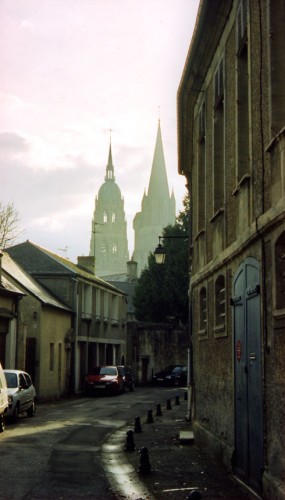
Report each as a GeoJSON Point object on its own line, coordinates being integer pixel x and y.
{"type": "Point", "coordinates": [168, 404]}
{"type": "Point", "coordinates": [149, 417]}
{"type": "Point", "coordinates": [194, 495]}
{"type": "Point", "coordinates": [177, 402]}
{"type": "Point", "coordinates": [185, 396]}
{"type": "Point", "coordinates": [129, 443]}
{"type": "Point", "coordinates": [144, 467]}
{"type": "Point", "coordinates": [138, 427]}
{"type": "Point", "coordinates": [158, 410]}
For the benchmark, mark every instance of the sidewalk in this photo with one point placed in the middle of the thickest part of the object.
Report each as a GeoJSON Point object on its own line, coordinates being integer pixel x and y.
{"type": "Point", "coordinates": [177, 468]}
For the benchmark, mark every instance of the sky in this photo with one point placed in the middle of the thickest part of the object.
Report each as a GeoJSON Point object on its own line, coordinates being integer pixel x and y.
{"type": "Point", "coordinates": [71, 72]}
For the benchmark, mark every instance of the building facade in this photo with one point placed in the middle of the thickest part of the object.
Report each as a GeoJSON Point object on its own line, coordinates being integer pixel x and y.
{"type": "Point", "coordinates": [231, 140]}
{"type": "Point", "coordinates": [108, 241]}
{"type": "Point", "coordinates": [98, 330]}
{"type": "Point", "coordinates": [157, 208]}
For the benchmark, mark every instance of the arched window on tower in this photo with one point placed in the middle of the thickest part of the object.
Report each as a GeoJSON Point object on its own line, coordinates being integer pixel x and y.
{"type": "Point", "coordinates": [114, 249]}
{"type": "Point", "coordinates": [105, 216]}
{"type": "Point", "coordinates": [113, 217]}
{"type": "Point", "coordinates": [103, 250]}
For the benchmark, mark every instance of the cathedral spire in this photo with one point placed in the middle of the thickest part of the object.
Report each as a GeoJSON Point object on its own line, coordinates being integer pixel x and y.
{"type": "Point", "coordinates": [158, 183]}
{"type": "Point", "coordinates": [110, 167]}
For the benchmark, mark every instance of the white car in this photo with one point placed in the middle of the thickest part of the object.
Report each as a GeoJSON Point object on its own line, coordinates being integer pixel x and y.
{"type": "Point", "coordinates": [21, 394]}
{"type": "Point", "coordinates": [3, 399]}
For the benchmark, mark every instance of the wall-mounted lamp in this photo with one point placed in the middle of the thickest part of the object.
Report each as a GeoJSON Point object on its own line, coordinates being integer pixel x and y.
{"type": "Point", "coordinates": [160, 253]}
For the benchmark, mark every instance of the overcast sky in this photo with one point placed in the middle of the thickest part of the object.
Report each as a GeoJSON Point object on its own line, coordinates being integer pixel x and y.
{"type": "Point", "coordinates": [71, 70]}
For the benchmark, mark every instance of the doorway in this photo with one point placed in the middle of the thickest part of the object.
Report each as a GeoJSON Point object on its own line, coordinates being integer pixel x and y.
{"type": "Point", "coordinates": [248, 460]}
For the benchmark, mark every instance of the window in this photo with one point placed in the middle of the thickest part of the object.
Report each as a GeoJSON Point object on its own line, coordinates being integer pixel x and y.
{"type": "Point", "coordinates": [242, 100]}
{"type": "Point", "coordinates": [277, 43]}
{"type": "Point", "coordinates": [51, 356]}
{"type": "Point", "coordinates": [201, 168]}
{"type": "Point", "coordinates": [242, 24]}
{"type": "Point", "coordinates": [220, 301]}
{"type": "Point", "coordinates": [203, 309]}
{"type": "Point", "coordinates": [113, 217]}
{"type": "Point", "coordinates": [114, 249]}
{"type": "Point", "coordinates": [218, 181]}
{"type": "Point", "coordinates": [280, 271]}
{"type": "Point", "coordinates": [105, 216]}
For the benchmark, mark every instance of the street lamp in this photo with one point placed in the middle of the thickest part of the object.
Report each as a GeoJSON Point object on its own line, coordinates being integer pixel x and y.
{"type": "Point", "coordinates": [160, 253]}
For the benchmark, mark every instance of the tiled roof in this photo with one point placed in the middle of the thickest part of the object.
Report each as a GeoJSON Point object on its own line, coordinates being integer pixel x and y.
{"type": "Point", "coordinates": [37, 261]}
{"type": "Point", "coordinates": [14, 272]}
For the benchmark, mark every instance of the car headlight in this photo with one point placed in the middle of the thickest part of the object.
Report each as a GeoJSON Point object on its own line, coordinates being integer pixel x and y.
{"type": "Point", "coordinates": [168, 376]}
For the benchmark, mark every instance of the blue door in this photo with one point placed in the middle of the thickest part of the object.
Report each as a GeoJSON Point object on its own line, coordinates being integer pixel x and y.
{"type": "Point", "coordinates": [248, 463]}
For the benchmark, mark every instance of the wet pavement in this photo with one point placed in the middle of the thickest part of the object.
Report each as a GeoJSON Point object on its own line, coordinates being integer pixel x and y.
{"type": "Point", "coordinates": [177, 468]}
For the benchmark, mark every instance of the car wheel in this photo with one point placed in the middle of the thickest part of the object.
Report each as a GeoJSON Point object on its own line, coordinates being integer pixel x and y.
{"type": "Point", "coordinates": [2, 423]}
{"type": "Point", "coordinates": [15, 414]}
{"type": "Point", "coordinates": [32, 410]}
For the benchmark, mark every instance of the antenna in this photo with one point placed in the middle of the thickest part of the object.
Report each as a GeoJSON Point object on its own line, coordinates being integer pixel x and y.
{"type": "Point", "coordinates": [64, 250]}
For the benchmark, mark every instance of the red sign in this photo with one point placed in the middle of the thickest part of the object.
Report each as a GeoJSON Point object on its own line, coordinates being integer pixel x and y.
{"type": "Point", "coordinates": [238, 350]}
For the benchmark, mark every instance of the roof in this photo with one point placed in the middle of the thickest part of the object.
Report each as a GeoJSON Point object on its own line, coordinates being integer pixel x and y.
{"type": "Point", "coordinates": [25, 281]}
{"type": "Point", "coordinates": [39, 261]}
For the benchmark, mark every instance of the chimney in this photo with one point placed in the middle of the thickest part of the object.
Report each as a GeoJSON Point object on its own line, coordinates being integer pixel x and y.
{"type": "Point", "coordinates": [132, 268]}
{"type": "Point", "coordinates": [87, 263]}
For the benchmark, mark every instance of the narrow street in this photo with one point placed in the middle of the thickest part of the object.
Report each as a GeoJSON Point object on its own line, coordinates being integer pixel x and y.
{"type": "Point", "coordinates": [58, 453]}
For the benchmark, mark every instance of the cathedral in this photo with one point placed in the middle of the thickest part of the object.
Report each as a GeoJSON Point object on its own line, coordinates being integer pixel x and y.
{"type": "Point", "coordinates": [109, 242]}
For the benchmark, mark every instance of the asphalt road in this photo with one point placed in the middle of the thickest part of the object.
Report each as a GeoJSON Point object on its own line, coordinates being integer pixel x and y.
{"type": "Point", "coordinates": [66, 451]}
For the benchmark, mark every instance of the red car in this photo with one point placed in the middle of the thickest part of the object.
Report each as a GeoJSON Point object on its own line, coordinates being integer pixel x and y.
{"type": "Point", "coordinates": [106, 380]}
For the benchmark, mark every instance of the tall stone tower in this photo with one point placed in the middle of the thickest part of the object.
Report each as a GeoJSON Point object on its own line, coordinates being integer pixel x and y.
{"type": "Point", "coordinates": [157, 209]}
{"type": "Point", "coordinates": [109, 242]}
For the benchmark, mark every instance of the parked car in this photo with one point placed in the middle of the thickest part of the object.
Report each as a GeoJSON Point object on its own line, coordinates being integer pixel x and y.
{"type": "Point", "coordinates": [21, 394]}
{"type": "Point", "coordinates": [105, 380]}
{"type": "Point", "coordinates": [3, 399]}
{"type": "Point", "coordinates": [129, 378]}
{"type": "Point", "coordinates": [171, 375]}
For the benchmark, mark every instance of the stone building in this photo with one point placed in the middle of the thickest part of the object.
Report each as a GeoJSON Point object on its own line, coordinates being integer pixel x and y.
{"type": "Point", "coordinates": [157, 208]}
{"type": "Point", "coordinates": [109, 242]}
{"type": "Point", "coordinates": [98, 330]}
{"type": "Point", "coordinates": [231, 141]}
{"type": "Point", "coordinates": [35, 339]}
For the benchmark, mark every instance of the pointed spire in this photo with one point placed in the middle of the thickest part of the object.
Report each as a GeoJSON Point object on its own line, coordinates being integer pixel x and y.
{"type": "Point", "coordinates": [158, 183]}
{"type": "Point", "coordinates": [110, 167]}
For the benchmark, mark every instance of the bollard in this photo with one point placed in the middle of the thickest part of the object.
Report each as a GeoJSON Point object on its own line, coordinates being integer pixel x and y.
{"type": "Point", "coordinates": [185, 396]}
{"type": "Point", "coordinates": [194, 495]}
{"type": "Point", "coordinates": [177, 402]}
{"type": "Point", "coordinates": [149, 417]}
{"type": "Point", "coordinates": [138, 427]}
{"type": "Point", "coordinates": [129, 443]}
{"type": "Point", "coordinates": [168, 404]}
{"type": "Point", "coordinates": [158, 410]}
{"type": "Point", "coordinates": [144, 467]}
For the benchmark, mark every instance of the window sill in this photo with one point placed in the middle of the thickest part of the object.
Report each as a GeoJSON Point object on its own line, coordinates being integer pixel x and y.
{"type": "Point", "coordinates": [244, 180]}
{"type": "Point", "coordinates": [217, 214]}
{"type": "Point", "coordinates": [220, 331]}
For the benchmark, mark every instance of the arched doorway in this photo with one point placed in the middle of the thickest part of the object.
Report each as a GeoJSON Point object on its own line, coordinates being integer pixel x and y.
{"type": "Point", "coordinates": [248, 460]}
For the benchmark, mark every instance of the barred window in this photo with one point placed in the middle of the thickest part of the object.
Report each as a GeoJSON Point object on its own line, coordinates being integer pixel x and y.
{"type": "Point", "coordinates": [280, 271]}
{"type": "Point", "coordinates": [220, 301]}
{"type": "Point", "coordinates": [203, 309]}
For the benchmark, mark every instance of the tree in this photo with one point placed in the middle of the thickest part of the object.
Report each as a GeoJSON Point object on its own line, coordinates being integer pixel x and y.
{"type": "Point", "coordinates": [162, 290]}
{"type": "Point", "coordinates": [10, 228]}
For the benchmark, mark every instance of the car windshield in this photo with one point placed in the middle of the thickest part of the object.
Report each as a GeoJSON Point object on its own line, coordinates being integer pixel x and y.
{"type": "Point", "coordinates": [11, 378]}
{"type": "Point", "coordinates": [177, 369]}
{"type": "Point", "coordinates": [105, 370]}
